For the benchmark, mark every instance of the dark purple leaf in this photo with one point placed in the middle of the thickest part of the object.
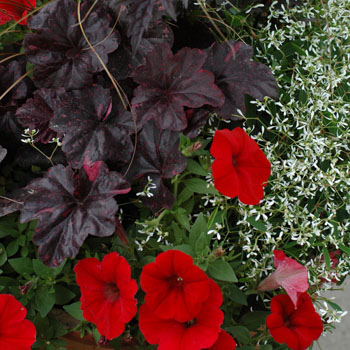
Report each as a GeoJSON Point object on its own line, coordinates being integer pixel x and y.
{"type": "Point", "coordinates": [196, 119]}
{"type": "Point", "coordinates": [8, 75]}
{"type": "Point", "coordinates": [139, 16]}
{"type": "Point", "coordinates": [158, 156]}
{"type": "Point", "coordinates": [3, 153]}
{"type": "Point", "coordinates": [9, 203]}
{"type": "Point", "coordinates": [236, 75]}
{"type": "Point", "coordinates": [121, 62]}
{"type": "Point", "coordinates": [9, 123]}
{"type": "Point", "coordinates": [161, 196]}
{"type": "Point", "coordinates": [168, 83]}
{"type": "Point", "coordinates": [59, 51]}
{"type": "Point", "coordinates": [69, 207]}
{"type": "Point", "coordinates": [37, 112]}
{"type": "Point", "coordinates": [140, 13]}
{"type": "Point", "coordinates": [90, 129]}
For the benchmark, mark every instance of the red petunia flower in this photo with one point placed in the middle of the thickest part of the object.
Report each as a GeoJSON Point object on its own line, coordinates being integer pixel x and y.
{"type": "Point", "coordinates": [289, 274]}
{"type": "Point", "coordinates": [15, 9]}
{"type": "Point", "coordinates": [240, 167]}
{"type": "Point", "coordinates": [107, 293]}
{"type": "Point", "coordinates": [175, 288]}
{"type": "Point", "coordinates": [224, 342]}
{"type": "Point", "coordinates": [16, 333]}
{"type": "Point", "coordinates": [200, 332]}
{"type": "Point", "coordinates": [297, 328]}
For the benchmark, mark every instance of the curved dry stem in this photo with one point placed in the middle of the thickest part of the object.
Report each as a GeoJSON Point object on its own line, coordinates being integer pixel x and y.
{"type": "Point", "coordinates": [87, 13]}
{"type": "Point", "coordinates": [11, 200]}
{"type": "Point", "coordinates": [203, 7]}
{"type": "Point", "coordinates": [12, 56]}
{"type": "Point", "coordinates": [116, 85]}
{"type": "Point", "coordinates": [110, 33]}
{"type": "Point", "coordinates": [15, 83]}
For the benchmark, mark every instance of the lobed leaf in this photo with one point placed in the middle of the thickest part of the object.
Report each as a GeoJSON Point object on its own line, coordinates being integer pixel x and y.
{"type": "Point", "coordinates": [236, 75]}
{"type": "Point", "coordinates": [69, 207]}
{"type": "Point", "coordinates": [168, 83]}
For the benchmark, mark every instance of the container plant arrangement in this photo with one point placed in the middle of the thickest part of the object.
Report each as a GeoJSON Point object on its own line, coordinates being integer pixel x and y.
{"type": "Point", "coordinates": [174, 174]}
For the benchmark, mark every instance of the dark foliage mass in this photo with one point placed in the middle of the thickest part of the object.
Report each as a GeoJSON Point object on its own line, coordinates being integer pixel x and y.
{"type": "Point", "coordinates": [90, 129]}
{"type": "Point", "coordinates": [3, 153]}
{"type": "Point", "coordinates": [167, 83]}
{"type": "Point", "coordinates": [59, 50]}
{"type": "Point", "coordinates": [167, 90]}
{"type": "Point", "coordinates": [37, 112]}
{"type": "Point", "coordinates": [236, 75]}
{"type": "Point", "coordinates": [69, 207]}
{"type": "Point", "coordinates": [158, 158]}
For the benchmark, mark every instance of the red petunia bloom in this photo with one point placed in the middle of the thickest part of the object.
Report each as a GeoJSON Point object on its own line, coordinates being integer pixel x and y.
{"type": "Point", "coordinates": [297, 328]}
{"type": "Point", "coordinates": [240, 167]}
{"type": "Point", "coordinates": [224, 342]}
{"type": "Point", "coordinates": [107, 293]}
{"type": "Point", "coordinates": [15, 9]}
{"type": "Point", "coordinates": [289, 274]}
{"type": "Point", "coordinates": [175, 288]}
{"type": "Point", "coordinates": [16, 333]}
{"type": "Point", "coordinates": [200, 332]}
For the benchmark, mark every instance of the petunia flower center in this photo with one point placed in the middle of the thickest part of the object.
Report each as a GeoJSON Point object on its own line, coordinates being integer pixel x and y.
{"type": "Point", "coordinates": [234, 160]}
{"type": "Point", "coordinates": [176, 282]}
{"type": "Point", "coordinates": [287, 322]}
{"type": "Point", "coordinates": [190, 323]}
{"type": "Point", "coordinates": [112, 292]}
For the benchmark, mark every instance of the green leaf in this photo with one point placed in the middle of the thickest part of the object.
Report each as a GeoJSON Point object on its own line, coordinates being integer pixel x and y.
{"type": "Point", "coordinates": [199, 227]}
{"type": "Point", "coordinates": [40, 269]}
{"type": "Point", "coordinates": [202, 246]}
{"type": "Point", "coordinates": [253, 320]}
{"type": "Point", "coordinates": [183, 196]}
{"type": "Point", "coordinates": [334, 305]}
{"type": "Point", "coordinates": [327, 258]}
{"type": "Point", "coordinates": [63, 294]}
{"type": "Point", "coordinates": [75, 311]}
{"type": "Point", "coordinates": [185, 248]}
{"type": "Point", "coordinates": [12, 248]}
{"type": "Point", "coordinates": [195, 168]}
{"type": "Point", "coordinates": [200, 186]}
{"type": "Point", "coordinates": [179, 233]}
{"type": "Point", "coordinates": [222, 271]}
{"type": "Point", "coordinates": [259, 225]}
{"type": "Point", "coordinates": [240, 333]}
{"type": "Point", "coordinates": [344, 248]}
{"type": "Point", "coordinates": [265, 347]}
{"type": "Point", "coordinates": [290, 48]}
{"type": "Point", "coordinates": [236, 295]}
{"type": "Point", "coordinates": [44, 300]}
{"type": "Point", "coordinates": [22, 265]}
{"type": "Point", "coordinates": [7, 229]}
{"type": "Point", "coordinates": [182, 218]}
{"type": "Point", "coordinates": [3, 255]}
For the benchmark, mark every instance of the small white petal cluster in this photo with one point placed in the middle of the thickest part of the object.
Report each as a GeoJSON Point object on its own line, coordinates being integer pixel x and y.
{"type": "Point", "coordinates": [305, 135]}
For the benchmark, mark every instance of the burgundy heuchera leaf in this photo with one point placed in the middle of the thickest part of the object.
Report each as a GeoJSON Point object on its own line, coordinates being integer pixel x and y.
{"type": "Point", "coordinates": [158, 158]}
{"type": "Point", "coordinates": [236, 75]}
{"type": "Point", "coordinates": [69, 208]}
{"type": "Point", "coordinates": [141, 12]}
{"type": "Point", "coordinates": [90, 128]}
{"type": "Point", "coordinates": [289, 275]}
{"type": "Point", "coordinates": [168, 83]}
{"type": "Point", "coordinates": [37, 112]}
{"type": "Point", "coordinates": [59, 50]}
{"type": "Point", "coordinates": [3, 153]}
